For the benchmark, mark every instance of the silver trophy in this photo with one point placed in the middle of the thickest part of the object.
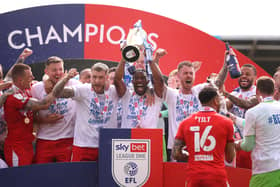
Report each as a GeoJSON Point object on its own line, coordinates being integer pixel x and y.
{"type": "Point", "coordinates": [135, 41]}
{"type": "Point", "coordinates": [135, 44]}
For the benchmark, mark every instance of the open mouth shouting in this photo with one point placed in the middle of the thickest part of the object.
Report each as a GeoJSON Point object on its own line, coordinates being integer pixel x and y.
{"type": "Point", "coordinates": [140, 88]}
{"type": "Point", "coordinates": [188, 81]}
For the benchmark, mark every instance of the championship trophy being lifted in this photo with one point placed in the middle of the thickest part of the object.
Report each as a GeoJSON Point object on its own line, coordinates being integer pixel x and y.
{"type": "Point", "coordinates": [133, 47]}
{"type": "Point", "coordinates": [136, 41]}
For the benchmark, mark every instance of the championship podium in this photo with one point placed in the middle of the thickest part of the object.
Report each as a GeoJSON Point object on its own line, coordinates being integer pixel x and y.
{"type": "Point", "coordinates": [127, 157]}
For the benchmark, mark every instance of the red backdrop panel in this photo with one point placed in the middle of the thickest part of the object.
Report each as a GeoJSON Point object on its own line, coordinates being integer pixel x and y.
{"type": "Point", "coordinates": [174, 174]}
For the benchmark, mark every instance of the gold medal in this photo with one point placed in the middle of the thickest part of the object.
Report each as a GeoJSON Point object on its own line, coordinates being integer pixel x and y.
{"type": "Point", "coordinates": [26, 120]}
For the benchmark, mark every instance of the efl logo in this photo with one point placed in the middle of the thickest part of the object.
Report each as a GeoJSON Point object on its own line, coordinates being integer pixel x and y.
{"type": "Point", "coordinates": [131, 161]}
{"type": "Point", "coordinates": [138, 147]}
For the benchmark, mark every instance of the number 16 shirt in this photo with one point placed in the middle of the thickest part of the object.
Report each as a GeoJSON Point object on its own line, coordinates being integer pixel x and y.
{"type": "Point", "coordinates": [206, 134]}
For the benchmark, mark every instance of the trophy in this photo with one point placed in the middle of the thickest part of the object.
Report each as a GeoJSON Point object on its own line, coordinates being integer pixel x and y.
{"type": "Point", "coordinates": [134, 42]}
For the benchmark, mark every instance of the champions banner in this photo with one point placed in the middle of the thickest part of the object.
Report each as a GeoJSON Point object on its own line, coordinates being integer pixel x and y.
{"type": "Point", "coordinates": [86, 31]}
{"type": "Point", "coordinates": [130, 157]}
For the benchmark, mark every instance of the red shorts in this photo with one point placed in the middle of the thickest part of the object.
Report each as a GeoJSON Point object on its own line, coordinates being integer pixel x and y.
{"type": "Point", "coordinates": [84, 154]}
{"type": "Point", "coordinates": [243, 159]}
{"type": "Point", "coordinates": [18, 154]}
{"type": "Point", "coordinates": [207, 183]}
{"type": "Point", "coordinates": [53, 150]}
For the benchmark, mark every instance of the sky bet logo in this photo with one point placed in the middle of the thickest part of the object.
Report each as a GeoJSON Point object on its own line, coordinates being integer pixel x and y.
{"type": "Point", "coordinates": [133, 147]}
{"type": "Point", "coordinates": [131, 161]}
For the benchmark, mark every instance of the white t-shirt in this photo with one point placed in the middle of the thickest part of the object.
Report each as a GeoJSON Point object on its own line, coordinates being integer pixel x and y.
{"type": "Point", "coordinates": [135, 111]}
{"type": "Point", "coordinates": [180, 106]}
{"type": "Point", "coordinates": [63, 128]}
{"type": "Point", "coordinates": [263, 121]}
{"type": "Point", "coordinates": [95, 111]}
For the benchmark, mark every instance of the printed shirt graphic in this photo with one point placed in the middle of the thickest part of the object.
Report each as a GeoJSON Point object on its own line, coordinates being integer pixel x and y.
{"type": "Point", "coordinates": [14, 114]}
{"type": "Point", "coordinates": [63, 128]}
{"type": "Point", "coordinates": [93, 115]}
{"type": "Point", "coordinates": [180, 107]}
{"type": "Point", "coordinates": [185, 106]}
{"type": "Point", "coordinates": [135, 111]}
{"type": "Point", "coordinates": [206, 134]}
{"type": "Point", "coordinates": [119, 114]}
{"type": "Point", "coordinates": [263, 121]}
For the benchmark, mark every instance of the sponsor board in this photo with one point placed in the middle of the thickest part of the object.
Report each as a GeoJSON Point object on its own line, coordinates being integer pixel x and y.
{"type": "Point", "coordinates": [131, 161]}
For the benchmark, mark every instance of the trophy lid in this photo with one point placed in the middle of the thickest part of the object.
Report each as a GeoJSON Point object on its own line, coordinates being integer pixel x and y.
{"type": "Point", "coordinates": [136, 35]}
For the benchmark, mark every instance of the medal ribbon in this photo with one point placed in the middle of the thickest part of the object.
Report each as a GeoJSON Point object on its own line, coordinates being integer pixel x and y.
{"type": "Point", "coordinates": [139, 105]}
{"type": "Point", "coordinates": [24, 94]}
{"type": "Point", "coordinates": [103, 111]}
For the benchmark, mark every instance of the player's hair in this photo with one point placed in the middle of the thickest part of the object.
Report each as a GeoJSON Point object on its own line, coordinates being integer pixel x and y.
{"type": "Point", "coordinates": [265, 85]}
{"type": "Point", "coordinates": [207, 94]}
{"type": "Point", "coordinates": [252, 67]}
{"type": "Point", "coordinates": [53, 60]}
{"type": "Point", "coordinates": [184, 63]}
{"type": "Point", "coordinates": [19, 71]}
{"type": "Point", "coordinates": [99, 66]}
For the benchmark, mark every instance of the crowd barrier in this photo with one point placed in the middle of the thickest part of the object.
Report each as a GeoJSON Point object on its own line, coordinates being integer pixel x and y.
{"type": "Point", "coordinates": [128, 157]}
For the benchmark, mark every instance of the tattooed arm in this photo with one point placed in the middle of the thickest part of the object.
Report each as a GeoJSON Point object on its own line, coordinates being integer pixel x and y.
{"type": "Point", "coordinates": [35, 105]}
{"type": "Point", "coordinates": [246, 104]}
{"type": "Point", "coordinates": [60, 91]}
{"type": "Point", "coordinates": [219, 82]}
{"type": "Point", "coordinates": [177, 151]}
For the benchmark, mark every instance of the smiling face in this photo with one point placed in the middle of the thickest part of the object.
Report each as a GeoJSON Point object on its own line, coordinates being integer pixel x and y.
{"type": "Point", "coordinates": [186, 75]}
{"type": "Point", "coordinates": [247, 78]}
{"type": "Point", "coordinates": [140, 82]}
{"type": "Point", "coordinates": [55, 71]}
